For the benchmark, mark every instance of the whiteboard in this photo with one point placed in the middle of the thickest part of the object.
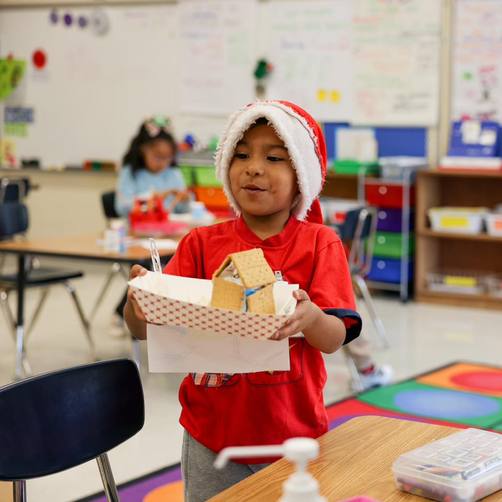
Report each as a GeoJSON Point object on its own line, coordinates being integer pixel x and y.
{"type": "Point", "coordinates": [95, 90]}
{"type": "Point", "coordinates": [361, 61]}
{"type": "Point", "coordinates": [477, 60]}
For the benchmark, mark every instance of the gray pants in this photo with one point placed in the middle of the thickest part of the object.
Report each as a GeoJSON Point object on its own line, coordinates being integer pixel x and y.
{"type": "Point", "coordinates": [202, 481]}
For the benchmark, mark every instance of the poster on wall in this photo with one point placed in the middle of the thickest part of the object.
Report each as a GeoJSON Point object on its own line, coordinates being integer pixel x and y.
{"type": "Point", "coordinates": [396, 62]}
{"type": "Point", "coordinates": [216, 40]}
{"type": "Point", "coordinates": [309, 45]}
{"type": "Point", "coordinates": [477, 60]}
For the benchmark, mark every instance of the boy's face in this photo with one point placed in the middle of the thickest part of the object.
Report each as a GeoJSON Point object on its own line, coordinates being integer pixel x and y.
{"type": "Point", "coordinates": [262, 177]}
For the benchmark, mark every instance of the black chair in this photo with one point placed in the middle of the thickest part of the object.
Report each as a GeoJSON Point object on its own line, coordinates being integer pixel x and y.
{"type": "Point", "coordinates": [14, 221]}
{"type": "Point", "coordinates": [108, 203]}
{"type": "Point", "coordinates": [358, 233]}
{"type": "Point", "coordinates": [62, 419]}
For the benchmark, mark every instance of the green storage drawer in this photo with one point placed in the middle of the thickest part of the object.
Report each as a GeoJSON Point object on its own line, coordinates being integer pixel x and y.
{"type": "Point", "coordinates": [205, 176]}
{"type": "Point", "coordinates": [187, 173]}
{"type": "Point", "coordinates": [346, 166]}
{"type": "Point", "coordinates": [388, 245]}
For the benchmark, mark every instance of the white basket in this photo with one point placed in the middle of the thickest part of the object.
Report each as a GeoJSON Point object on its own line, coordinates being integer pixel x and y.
{"type": "Point", "coordinates": [457, 220]}
{"type": "Point", "coordinates": [494, 224]}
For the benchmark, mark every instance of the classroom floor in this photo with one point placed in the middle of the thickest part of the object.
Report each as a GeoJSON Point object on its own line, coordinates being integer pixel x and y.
{"type": "Point", "coordinates": [422, 337]}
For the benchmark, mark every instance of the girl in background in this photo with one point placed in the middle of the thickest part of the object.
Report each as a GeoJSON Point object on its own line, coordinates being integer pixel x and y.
{"type": "Point", "coordinates": [149, 170]}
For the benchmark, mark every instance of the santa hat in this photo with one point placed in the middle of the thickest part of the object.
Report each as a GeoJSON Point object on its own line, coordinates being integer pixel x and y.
{"type": "Point", "coordinates": [302, 137]}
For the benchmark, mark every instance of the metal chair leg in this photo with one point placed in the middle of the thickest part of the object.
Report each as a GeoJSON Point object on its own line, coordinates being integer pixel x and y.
{"type": "Point", "coordinates": [83, 319]}
{"type": "Point", "coordinates": [107, 478]}
{"type": "Point", "coordinates": [380, 329]}
{"type": "Point", "coordinates": [19, 491]}
{"type": "Point", "coordinates": [136, 352]}
{"type": "Point", "coordinates": [9, 316]}
{"type": "Point", "coordinates": [355, 376]}
{"type": "Point", "coordinates": [41, 302]}
{"type": "Point", "coordinates": [116, 269]}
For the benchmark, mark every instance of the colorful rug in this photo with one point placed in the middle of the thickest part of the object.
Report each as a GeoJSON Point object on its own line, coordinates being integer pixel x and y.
{"type": "Point", "coordinates": [459, 395]}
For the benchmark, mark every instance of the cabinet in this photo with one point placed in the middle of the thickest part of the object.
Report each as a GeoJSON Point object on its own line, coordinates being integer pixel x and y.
{"type": "Point", "coordinates": [392, 267]}
{"type": "Point", "coordinates": [445, 251]}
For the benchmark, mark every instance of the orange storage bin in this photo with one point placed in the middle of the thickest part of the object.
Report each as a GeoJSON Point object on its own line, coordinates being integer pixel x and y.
{"type": "Point", "coordinates": [211, 197]}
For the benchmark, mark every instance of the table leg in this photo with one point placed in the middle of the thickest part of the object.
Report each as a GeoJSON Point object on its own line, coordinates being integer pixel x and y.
{"type": "Point", "coordinates": [20, 350]}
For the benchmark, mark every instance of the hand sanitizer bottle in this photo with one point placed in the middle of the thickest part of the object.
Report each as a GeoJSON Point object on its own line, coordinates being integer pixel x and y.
{"type": "Point", "coordinates": [301, 485]}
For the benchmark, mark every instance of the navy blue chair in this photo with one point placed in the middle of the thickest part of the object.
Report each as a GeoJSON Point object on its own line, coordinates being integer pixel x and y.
{"type": "Point", "coordinates": [62, 419]}
{"type": "Point", "coordinates": [14, 221]}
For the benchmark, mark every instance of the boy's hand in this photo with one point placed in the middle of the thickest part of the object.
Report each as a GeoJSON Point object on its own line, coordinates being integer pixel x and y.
{"type": "Point", "coordinates": [136, 271]}
{"type": "Point", "coordinates": [306, 315]}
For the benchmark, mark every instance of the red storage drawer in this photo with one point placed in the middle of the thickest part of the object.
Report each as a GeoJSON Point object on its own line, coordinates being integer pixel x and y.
{"type": "Point", "coordinates": [383, 194]}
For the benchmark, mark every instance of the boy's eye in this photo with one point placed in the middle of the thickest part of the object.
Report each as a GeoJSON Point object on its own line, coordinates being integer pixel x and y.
{"type": "Point", "coordinates": [274, 158]}
{"type": "Point", "coordinates": [241, 155]}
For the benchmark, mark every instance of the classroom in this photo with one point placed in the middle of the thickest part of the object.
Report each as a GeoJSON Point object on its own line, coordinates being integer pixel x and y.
{"type": "Point", "coordinates": [250, 250]}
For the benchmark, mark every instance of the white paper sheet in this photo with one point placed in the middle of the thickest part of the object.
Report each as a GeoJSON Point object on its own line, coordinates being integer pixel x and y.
{"type": "Point", "coordinates": [182, 350]}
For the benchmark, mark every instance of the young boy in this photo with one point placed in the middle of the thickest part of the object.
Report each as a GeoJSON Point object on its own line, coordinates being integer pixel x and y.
{"type": "Point", "coordinates": [272, 163]}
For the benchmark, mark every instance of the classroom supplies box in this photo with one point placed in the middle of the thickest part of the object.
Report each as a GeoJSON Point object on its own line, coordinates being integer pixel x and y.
{"type": "Point", "coordinates": [181, 301]}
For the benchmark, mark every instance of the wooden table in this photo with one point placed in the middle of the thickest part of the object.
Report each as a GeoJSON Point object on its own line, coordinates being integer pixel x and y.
{"type": "Point", "coordinates": [5, 492]}
{"type": "Point", "coordinates": [80, 247]}
{"type": "Point", "coordinates": [355, 459]}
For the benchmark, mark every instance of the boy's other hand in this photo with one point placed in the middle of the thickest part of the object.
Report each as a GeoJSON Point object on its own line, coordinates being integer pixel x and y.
{"type": "Point", "coordinates": [304, 316]}
{"type": "Point", "coordinates": [136, 271]}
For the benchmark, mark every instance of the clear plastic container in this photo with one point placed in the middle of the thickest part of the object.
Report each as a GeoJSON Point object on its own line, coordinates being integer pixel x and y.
{"type": "Point", "coordinates": [494, 285]}
{"type": "Point", "coordinates": [468, 220]}
{"type": "Point", "coordinates": [463, 467]}
{"type": "Point", "coordinates": [494, 224]}
{"type": "Point", "coordinates": [464, 283]}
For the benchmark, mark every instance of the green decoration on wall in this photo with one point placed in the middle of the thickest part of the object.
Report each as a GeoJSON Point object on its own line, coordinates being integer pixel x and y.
{"type": "Point", "coordinates": [11, 74]}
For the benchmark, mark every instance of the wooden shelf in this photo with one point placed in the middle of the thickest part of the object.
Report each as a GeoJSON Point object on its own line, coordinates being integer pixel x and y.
{"type": "Point", "coordinates": [459, 173]}
{"type": "Point", "coordinates": [443, 251]}
{"type": "Point", "coordinates": [458, 236]}
{"type": "Point", "coordinates": [479, 301]}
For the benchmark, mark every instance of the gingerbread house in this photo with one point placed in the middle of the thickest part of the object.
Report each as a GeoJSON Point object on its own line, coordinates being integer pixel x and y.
{"type": "Point", "coordinates": [244, 281]}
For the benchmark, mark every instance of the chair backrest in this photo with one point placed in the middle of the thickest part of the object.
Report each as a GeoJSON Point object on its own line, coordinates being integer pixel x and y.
{"type": "Point", "coordinates": [358, 233]}
{"type": "Point", "coordinates": [108, 203]}
{"type": "Point", "coordinates": [13, 219]}
{"type": "Point", "coordinates": [14, 189]}
{"type": "Point", "coordinates": [55, 421]}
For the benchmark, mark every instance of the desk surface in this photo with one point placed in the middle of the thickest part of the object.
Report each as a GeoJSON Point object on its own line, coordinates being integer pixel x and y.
{"type": "Point", "coordinates": [81, 247]}
{"type": "Point", "coordinates": [355, 459]}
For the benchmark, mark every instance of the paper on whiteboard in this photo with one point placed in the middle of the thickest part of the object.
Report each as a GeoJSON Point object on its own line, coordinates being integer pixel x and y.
{"type": "Point", "coordinates": [181, 350]}
{"type": "Point", "coordinates": [310, 47]}
{"type": "Point", "coordinates": [477, 61]}
{"type": "Point", "coordinates": [216, 41]}
{"type": "Point", "coordinates": [396, 62]}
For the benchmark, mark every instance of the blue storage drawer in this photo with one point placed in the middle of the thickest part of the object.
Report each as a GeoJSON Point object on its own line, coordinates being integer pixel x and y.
{"type": "Point", "coordinates": [388, 270]}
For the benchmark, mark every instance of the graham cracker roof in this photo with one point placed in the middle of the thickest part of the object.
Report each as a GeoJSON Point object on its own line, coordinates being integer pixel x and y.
{"type": "Point", "coordinates": [253, 268]}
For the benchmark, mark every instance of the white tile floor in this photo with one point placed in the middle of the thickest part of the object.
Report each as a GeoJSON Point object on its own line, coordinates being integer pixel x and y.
{"type": "Point", "coordinates": [422, 337]}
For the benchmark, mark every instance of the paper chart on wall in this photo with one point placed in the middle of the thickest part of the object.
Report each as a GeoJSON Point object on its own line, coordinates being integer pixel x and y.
{"type": "Point", "coordinates": [216, 40]}
{"type": "Point", "coordinates": [477, 60]}
{"type": "Point", "coordinates": [309, 45]}
{"type": "Point", "coordinates": [396, 62]}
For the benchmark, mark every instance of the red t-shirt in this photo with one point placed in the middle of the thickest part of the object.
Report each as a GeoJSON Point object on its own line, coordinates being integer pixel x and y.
{"type": "Point", "coordinates": [264, 408]}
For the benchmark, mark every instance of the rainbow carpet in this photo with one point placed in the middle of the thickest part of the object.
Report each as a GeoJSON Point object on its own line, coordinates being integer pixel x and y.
{"type": "Point", "coordinates": [459, 395]}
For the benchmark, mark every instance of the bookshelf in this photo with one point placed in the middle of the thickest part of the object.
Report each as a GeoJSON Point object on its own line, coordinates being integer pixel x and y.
{"type": "Point", "coordinates": [443, 251]}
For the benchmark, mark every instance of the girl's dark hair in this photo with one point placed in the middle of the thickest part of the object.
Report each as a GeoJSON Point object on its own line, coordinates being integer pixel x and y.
{"type": "Point", "coordinates": [150, 131]}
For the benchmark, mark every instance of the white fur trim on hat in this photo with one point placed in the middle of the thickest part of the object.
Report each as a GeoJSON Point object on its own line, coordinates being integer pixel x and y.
{"type": "Point", "coordinates": [298, 137]}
